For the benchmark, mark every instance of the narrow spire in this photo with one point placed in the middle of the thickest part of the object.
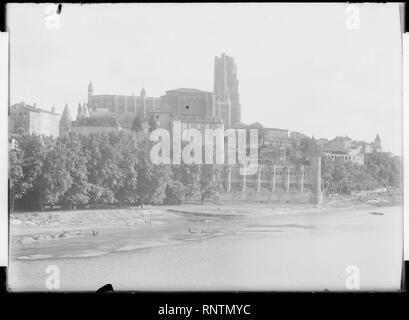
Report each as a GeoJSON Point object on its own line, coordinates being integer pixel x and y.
{"type": "Point", "coordinates": [66, 115]}
{"type": "Point", "coordinates": [85, 110]}
{"type": "Point", "coordinates": [80, 111]}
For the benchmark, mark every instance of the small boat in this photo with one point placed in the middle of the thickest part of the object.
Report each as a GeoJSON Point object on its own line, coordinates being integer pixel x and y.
{"type": "Point", "coordinates": [202, 231]}
{"type": "Point", "coordinates": [376, 213]}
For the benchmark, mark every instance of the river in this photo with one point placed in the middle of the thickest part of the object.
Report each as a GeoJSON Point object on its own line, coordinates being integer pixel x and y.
{"type": "Point", "coordinates": [304, 251]}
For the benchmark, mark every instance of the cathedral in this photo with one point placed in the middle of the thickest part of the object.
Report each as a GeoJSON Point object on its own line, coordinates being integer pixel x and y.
{"type": "Point", "coordinates": [193, 107]}
{"type": "Point", "coordinates": [276, 179]}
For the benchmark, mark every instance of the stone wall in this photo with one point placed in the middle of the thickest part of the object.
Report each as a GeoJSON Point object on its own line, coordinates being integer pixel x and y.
{"type": "Point", "coordinates": [275, 183]}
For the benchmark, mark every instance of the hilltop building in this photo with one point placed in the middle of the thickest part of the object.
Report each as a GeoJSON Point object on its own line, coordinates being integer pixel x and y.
{"type": "Point", "coordinates": [65, 122]}
{"type": "Point", "coordinates": [131, 105]}
{"type": "Point", "coordinates": [33, 120]}
{"type": "Point", "coordinates": [90, 125]}
{"type": "Point", "coordinates": [377, 143]}
{"type": "Point", "coordinates": [277, 179]}
{"type": "Point", "coordinates": [195, 108]}
{"type": "Point", "coordinates": [82, 111]}
{"type": "Point", "coordinates": [226, 87]}
{"type": "Point", "coordinates": [346, 149]}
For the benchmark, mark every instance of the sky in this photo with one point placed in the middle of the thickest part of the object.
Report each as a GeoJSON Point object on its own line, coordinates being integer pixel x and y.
{"type": "Point", "coordinates": [299, 67]}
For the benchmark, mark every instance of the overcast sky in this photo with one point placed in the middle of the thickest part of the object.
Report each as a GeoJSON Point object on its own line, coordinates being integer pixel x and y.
{"type": "Point", "coordinates": [299, 67]}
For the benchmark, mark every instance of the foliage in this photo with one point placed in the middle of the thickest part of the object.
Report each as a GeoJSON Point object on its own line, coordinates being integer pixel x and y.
{"type": "Point", "coordinates": [76, 164]}
{"type": "Point", "coordinates": [209, 185]}
{"type": "Point", "coordinates": [112, 169]}
{"type": "Point", "coordinates": [152, 123]}
{"type": "Point", "coordinates": [379, 170]}
{"type": "Point", "coordinates": [17, 183]}
{"type": "Point", "coordinates": [137, 124]}
{"type": "Point", "coordinates": [175, 193]}
{"type": "Point", "coordinates": [152, 179]}
{"type": "Point", "coordinates": [189, 176]}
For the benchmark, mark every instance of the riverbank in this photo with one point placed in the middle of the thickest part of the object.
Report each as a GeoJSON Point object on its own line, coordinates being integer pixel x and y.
{"type": "Point", "coordinates": [35, 227]}
{"type": "Point", "coordinates": [22, 222]}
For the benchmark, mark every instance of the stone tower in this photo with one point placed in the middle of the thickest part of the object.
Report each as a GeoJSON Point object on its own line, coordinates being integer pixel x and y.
{"type": "Point", "coordinates": [65, 122]}
{"type": "Point", "coordinates": [377, 142]}
{"type": "Point", "coordinates": [314, 157]}
{"type": "Point", "coordinates": [86, 110]}
{"type": "Point", "coordinates": [226, 85]}
{"type": "Point", "coordinates": [90, 93]}
{"type": "Point", "coordinates": [80, 112]}
{"type": "Point", "coordinates": [315, 162]}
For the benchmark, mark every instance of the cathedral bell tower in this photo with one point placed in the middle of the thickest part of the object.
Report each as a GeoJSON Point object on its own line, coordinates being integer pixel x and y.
{"type": "Point", "coordinates": [90, 94]}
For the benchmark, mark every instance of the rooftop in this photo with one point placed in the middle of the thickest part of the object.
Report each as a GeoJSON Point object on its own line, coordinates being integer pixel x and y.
{"type": "Point", "coordinates": [188, 90]}
{"type": "Point", "coordinates": [122, 96]}
{"type": "Point", "coordinates": [33, 109]}
{"type": "Point", "coordinates": [96, 122]}
{"type": "Point", "coordinates": [206, 121]}
{"type": "Point", "coordinates": [241, 125]}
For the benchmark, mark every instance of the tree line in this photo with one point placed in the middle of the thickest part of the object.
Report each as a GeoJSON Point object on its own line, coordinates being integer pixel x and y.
{"type": "Point", "coordinates": [380, 169]}
{"type": "Point", "coordinates": [100, 171]}
{"type": "Point", "coordinates": [114, 170]}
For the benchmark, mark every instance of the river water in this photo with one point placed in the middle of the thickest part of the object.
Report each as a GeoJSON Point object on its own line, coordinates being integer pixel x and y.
{"type": "Point", "coordinates": [308, 251]}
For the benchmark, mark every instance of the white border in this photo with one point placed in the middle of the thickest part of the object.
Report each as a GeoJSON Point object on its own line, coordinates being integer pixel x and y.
{"type": "Point", "coordinates": [4, 92]}
{"type": "Point", "coordinates": [406, 143]}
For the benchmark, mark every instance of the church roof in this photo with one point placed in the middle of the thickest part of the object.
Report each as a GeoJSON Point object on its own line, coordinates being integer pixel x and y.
{"type": "Point", "coordinates": [240, 125]}
{"type": "Point", "coordinates": [66, 115]}
{"type": "Point", "coordinates": [125, 120]}
{"type": "Point", "coordinates": [277, 129]}
{"type": "Point", "coordinates": [96, 122]}
{"type": "Point", "coordinates": [187, 90]}
{"type": "Point", "coordinates": [31, 108]}
{"type": "Point", "coordinates": [256, 125]}
{"type": "Point", "coordinates": [80, 111]}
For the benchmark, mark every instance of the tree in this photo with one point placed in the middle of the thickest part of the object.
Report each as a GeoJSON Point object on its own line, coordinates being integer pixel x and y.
{"type": "Point", "coordinates": [54, 179]}
{"type": "Point", "coordinates": [127, 163]}
{"type": "Point", "coordinates": [76, 163]}
{"type": "Point", "coordinates": [209, 181]}
{"type": "Point", "coordinates": [17, 185]}
{"type": "Point", "coordinates": [137, 124]}
{"type": "Point", "coordinates": [102, 168]}
{"type": "Point", "coordinates": [175, 193]}
{"type": "Point", "coordinates": [152, 123]}
{"type": "Point", "coordinates": [152, 179]}
{"type": "Point", "coordinates": [385, 168]}
{"type": "Point", "coordinates": [33, 156]}
{"type": "Point", "coordinates": [343, 177]}
{"type": "Point", "coordinates": [189, 176]}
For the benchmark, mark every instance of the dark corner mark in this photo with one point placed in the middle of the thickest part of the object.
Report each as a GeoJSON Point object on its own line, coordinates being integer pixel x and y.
{"type": "Point", "coordinates": [403, 11]}
{"type": "Point", "coordinates": [3, 17]}
{"type": "Point", "coordinates": [59, 8]}
{"type": "Point", "coordinates": [106, 288]}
